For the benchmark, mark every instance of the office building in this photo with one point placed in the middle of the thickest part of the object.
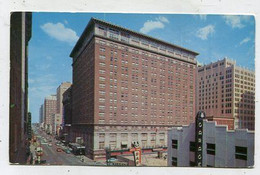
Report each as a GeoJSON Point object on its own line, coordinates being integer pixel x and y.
{"type": "Point", "coordinates": [20, 34]}
{"type": "Point", "coordinates": [67, 114]}
{"type": "Point", "coordinates": [205, 144]}
{"type": "Point", "coordinates": [41, 114]}
{"type": "Point", "coordinates": [50, 104]}
{"type": "Point", "coordinates": [56, 124]}
{"type": "Point", "coordinates": [226, 92]}
{"type": "Point", "coordinates": [128, 87]}
{"type": "Point", "coordinates": [60, 90]}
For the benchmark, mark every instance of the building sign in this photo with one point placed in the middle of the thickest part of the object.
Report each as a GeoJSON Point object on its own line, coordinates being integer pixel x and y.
{"type": "Point", "coordinates": [137, 156]}
{"type": "Point", "coordinates": [199, 137]}
{"type": "Point", "coordinates": [137, 153]}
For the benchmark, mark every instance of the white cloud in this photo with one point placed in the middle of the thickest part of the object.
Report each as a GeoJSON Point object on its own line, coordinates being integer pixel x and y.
{"type": "Point", "coordinates": [60, 32]}
{"type": "Point", "coordinates": [163, 19]}
{"type": "Point", "coordinates": [150, 25]}
{"type": "Point", "coordinates": [40, 92]}
{"type": "Point", "coordinates": [204, 32]}
{"type": "Point", "coordinates": [244, 41]}
{"type": "Point", "coordinates": [43, 79]}
{"type": "Point", "coordinates": [42, 85]}
{"type": "Point", "coordinates": [236, 21]}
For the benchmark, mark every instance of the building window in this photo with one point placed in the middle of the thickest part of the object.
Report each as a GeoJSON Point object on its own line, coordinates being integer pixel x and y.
{"type": "Point", "coordinates": [211, 148]}
{"type": "Point", "coordinates": [113, 34]}
{"type": "Point", "coordinates": [175, 144]}
{"type": "Point", "coordinates": [174, 161]}
{"type": "Point", "coordinates": [101, 114]}
{"type": "Point", "coordinates": [192, 146]}
{"type": "Point", "coordinates": [101, 145]}
{"type": "Point", "coordinates": [101, 121]}
{"type": "Point", "coordinates": [102, 57]}
{"type": "Point", "coordinates": [102, 49]}
{"type": "Point", "coordinates": [153, 136]}
{"type": "Point", "coordinates": [241, 153]}
{"type": "Point", "coordinates": [101, 136]}
{"type": "Point", "coordinates": [112, 145]}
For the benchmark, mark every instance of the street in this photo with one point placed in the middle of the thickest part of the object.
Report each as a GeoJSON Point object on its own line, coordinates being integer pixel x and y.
{"type": "Point", "coordinates": [53, 157]}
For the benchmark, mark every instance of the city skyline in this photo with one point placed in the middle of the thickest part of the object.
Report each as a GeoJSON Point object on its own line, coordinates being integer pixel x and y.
{"type": "Point", "coordinates": [202, 33]}
{"type": "Point", "coordinates": [117, 103]}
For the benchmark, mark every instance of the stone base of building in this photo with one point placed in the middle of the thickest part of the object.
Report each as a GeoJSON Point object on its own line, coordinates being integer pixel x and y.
{"type": "Point", "coordinates": [118, 138]}
{"type": "Point", "coordinates": [97, 155]}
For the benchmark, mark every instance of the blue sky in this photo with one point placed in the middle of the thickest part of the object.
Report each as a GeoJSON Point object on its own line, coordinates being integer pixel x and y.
{"type": "Point", "coordinates": [55, 34]}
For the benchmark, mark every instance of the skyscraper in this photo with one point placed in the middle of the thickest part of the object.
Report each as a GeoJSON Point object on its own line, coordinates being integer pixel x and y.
{"type": "Point", "coordinates": [20, 35]}
{"type": "Point", "coordinates": [41, 114]}
{"type": "Point", "coordinates": [67, 114]}
{"type": "Point", "coordinates": [59, 111]}
{"type": "Point", "coordinates": [50, 104]}
{"type": "Point", "coordinates": [60, 90]}
{"type": "Point", "coordinates": [128, 87]}
{"type": "Point", "coordinates": [226, 92]}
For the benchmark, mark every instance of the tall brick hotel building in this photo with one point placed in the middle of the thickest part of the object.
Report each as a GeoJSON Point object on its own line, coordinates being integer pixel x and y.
{"type": "Point", "coordinates": [128, 87]}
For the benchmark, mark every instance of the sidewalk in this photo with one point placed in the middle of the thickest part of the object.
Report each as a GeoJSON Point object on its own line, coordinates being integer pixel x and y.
{"type": "Point", "coordinates": [33, 156]}
{"type": "Point", "coordinates": [89, 161]}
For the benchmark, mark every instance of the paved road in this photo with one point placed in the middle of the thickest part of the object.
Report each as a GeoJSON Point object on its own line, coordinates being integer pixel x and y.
{"type": "Point", "coordinates": [53, 157]}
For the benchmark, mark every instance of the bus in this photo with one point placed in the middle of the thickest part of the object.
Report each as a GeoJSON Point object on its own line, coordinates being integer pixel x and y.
{"type": "Point", "coordinates": [77, 149]}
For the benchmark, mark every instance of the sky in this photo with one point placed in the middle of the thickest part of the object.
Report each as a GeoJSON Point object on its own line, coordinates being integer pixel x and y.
{"type": "Point", "coordinates": [55, 34]}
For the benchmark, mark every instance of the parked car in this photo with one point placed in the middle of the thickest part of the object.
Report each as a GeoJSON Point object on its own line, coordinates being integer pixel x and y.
{"type": "Point", "coordinates": [67, 151]}
{"type": "Point", "coordinates": [63, 148]}
{"type": "Point", "coordinates": [112, 159]}
{"type": "Point", "coordinates": [49, 144]}
{"type": "Point", "coordinates": [59, 149]}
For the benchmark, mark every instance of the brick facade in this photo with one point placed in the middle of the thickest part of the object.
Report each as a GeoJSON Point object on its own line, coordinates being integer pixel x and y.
{"type": "Point", "coordinates": [129, 87]}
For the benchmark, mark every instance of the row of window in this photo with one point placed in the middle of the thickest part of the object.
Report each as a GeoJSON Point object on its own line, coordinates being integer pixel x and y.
{"type": "Point", "coordinates": [125, 37]}
{"type": "Point", "coordinates": [240, 152]}
{"type": "Point", "coordinates": [209, 67]}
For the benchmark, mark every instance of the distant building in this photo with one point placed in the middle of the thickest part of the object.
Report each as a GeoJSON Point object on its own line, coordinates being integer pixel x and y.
{"type": "Point", "coordinates": [59, 93]}
{"type": "Point", "coordinates": [55, 125]}
{"type": "Point", "coordinates": [128, 87]}
{"type": "Point", "coordinates": [67, 114]}
{"type": "Point", "coordinates": [50, 104]}
{"type": "Point", "coordinates": [20, 34]}
{"type": "Point", "coordinates": [226, 92]}
{"type": "Point", "coordinates": [206, 144]}
{"type": "Point", "coordinates": [41, 114]}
